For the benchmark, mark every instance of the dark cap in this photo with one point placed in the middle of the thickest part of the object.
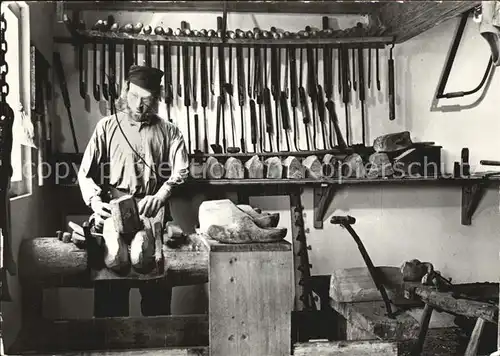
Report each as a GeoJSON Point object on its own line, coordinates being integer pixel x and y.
{"type": "Point", "coordinates": [146, 77]}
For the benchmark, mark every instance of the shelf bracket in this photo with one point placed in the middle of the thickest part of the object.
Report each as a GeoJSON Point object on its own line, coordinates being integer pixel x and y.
{"type": "Point", "coordinates": [323, 196]}
{"type": "Point", "coordinates": [472, 194]}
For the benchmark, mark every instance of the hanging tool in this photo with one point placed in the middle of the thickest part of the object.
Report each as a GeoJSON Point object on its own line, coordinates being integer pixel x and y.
{"type": "Point", "coordinates": [392, 104]}
{"type": "Point", "coordinates": [97, 88]}
{"type": "Point", "coordinates": [249, 71]}
{"type": "Point", "coordinates": [306, 114]}
{"type": "Point", "coordinates": [293, 94]}
{"type": "Point", "coordinates": [346, 222]}
{"type": "Point", "coordinates": [147, 47]}
{"type": "Point", "coordinates": [195, 76]}
{"type": "Point", "coordinates": [377, 68]}
{"type": "Point", "coordinates": [82, 71]}
{"type": "Point", "coordinates": [204, 92]}
{"type": "Point", "coordinates": [64, 92]}
{"type": "Point", "coordinates": [187, 90]}
{"type": "Point", "coordinates": [275, 90]}
{"type": "Point", "coordinates": [196, 136]}
{"type": "Point", "coordinates": [258, 92]}
{"type": "Point", "coordinates": [169, 86]}
{"type": "Point", "coordinates": [266, 97]}
{"type": "Point", "coordinates": [211, 34]}
{"type": "Point", "coordinates": [330, 105]}
{"type": "Point", "coordinates": [346, 88]}
{"type": "Point", "coordinates": [321, 114]}
{"type": "Point", "coordinates": [339, 69]}
{"type": "Point", "coordinates": [369, 67]}
{"type": "Point", "coordinates": [253, 125]}
{"type": "Point", "coordinates": [104, 85]}
{"type": "Point", "coordinates": [285, 116]}
{"type": "Point", "coordinates": [312, 89]}
{"type": "Point", "coordinates": [353, 56]}
{"type": "Point", "coordinates": [241, 92]}
{"type": "Point", "coordinates": [216, 147]}
{"type": "Point", "coordinates": [229, 89]}
{"type": "Point", "coordinates": [361, 73]}
{"type": "Point", "coordinates": [179, 85]}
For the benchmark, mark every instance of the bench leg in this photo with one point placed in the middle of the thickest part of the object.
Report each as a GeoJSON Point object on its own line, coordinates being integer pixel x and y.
{"type": "Point", "coordinates": [474, 338]}
{"type": "Point", "coordinates": [424, 327]}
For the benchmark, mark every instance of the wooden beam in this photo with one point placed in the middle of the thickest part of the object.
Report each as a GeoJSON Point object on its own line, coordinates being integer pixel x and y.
{"type": "Point", "coordinates": [47, 336]}
{"type": "Point", "coordinates": [280, 6]}
{"type": "Point", "coordinates": [170, 351]}
{"type": "Point", "coordinates": [410, 18]}
{"type": "Point", "coordinates": [341, 348]}
{"type": "Point", "coordinates": [322, 199]}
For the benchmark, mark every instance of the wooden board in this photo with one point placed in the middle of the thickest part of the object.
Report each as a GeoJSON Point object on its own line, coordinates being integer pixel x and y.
{"type": "Point", "coordinates": [250, 301]}
{"type": "Point", "coordinates": [356, 284]}
{"type": "Point", "coordinates": [347, 348]}
{"type": "Point", "coordinates": [370, 317]}
{"type": "Point", "coordinates": [46, 336]}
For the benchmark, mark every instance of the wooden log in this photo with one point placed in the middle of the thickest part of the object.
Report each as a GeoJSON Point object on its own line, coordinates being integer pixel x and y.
{"type": "Point", "coordinates": [234, 169]}
{"type": "Point", "coordinates": [51, 263]}
{"type": "Point", "coordinates": [250, 299]}
{"type": "Point", "coordinates": [213, 169]}
{"type": "Point", "coordinates": [292, 169]}
{"type": "Point", "coordinates": [313, 167]}
{"type": "Point", "coordinates": [222, 221]}
{"type": "Point", "coordinates": [346, 348]}
{"type": "Point", "coordinates": [254, 168]}
{"type": "Point", "coordinates": [380, 165]}
{"type": "Point", "coordinates": [54, 336]}
{"type": "Point", "coordinates": [371, 318]}
{"type": "Point", "coordinates": [353, 285]}
{"type": "Point", "coordinates": [330, 166]}
{"type": "Point", "coordinates": [273, 168]}
{"type": "Point", "coordinates": [353, 166]}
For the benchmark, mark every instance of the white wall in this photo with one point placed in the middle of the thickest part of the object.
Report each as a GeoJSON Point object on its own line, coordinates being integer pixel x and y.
{"type": "Point", "coordinates": [396, 223]}
{"type": "Point", "coordinates": [30, 216]}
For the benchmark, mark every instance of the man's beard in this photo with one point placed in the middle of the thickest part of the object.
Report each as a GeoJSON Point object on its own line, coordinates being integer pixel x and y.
{"type": "Point", "coordinates": [140, 116]}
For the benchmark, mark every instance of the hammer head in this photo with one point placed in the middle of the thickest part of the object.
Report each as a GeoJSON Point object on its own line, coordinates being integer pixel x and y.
{"type": "Point", "coordinates": [343, 220]}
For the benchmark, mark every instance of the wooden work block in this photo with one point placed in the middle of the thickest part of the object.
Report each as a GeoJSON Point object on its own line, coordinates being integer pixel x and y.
{"type": "Point", "coordinates": [213, 169]}
{"type": "Point", "coordinates": [125, 215]}
{"type": "Point", "coordinates": [250, 299]}
{"type": "Point", "coordinates": [254, 168]}
{"type": "Point", "coordinates": [371, 319]}
{"type": "Point", "coordinates": [292, 168]}
{"type": "Point", "coordinates": [234, 169]}
{"type": "Point", "coordinates": [273, 168]}
{"type": "Point", "coordinates": [313, 167]}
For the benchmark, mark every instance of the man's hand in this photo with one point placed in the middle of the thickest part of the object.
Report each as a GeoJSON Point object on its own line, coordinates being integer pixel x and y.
{"type": "Point", "coordinates": [102, 211]}
{"type": "Point", "coordinates": [150, 205]}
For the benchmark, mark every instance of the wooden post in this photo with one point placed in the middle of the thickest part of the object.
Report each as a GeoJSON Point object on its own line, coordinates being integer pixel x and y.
{"type": "Point", "coordinates": [250, 299]}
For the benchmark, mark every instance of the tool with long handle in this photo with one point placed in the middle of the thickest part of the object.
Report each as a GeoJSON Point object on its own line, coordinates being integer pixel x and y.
{"type": "Point", "coordinates": [346, 91]}
{"type": "Point", "coordinates": [266, 97]}
{"type": "Point", "coordinates": [104, 85]}
{"type": "Point", "coordinates": [306, 114]}
{"type": "Point", "coordinates": [293, 95]}
{"type": "Point", "coordinates": [253, 124]}
{"type": "Point", "coordinates": [169, 86]}
{"type": "Point", "coordinates": [196, 135]}
{"type": "Point", "coordinates": [187, 90]}
{"type": "Point", "coordinates": [330, 106]}
{"type": "Point", "coordinates": [216, 147]}
{"type": "Point", "coordinates": [229, 89]}
{"type": "Point", "coordinates": [194, 73]}
{"type": "Point", "coordinates": [354, 82]}
{"type": "Point", "coordinates": [275, 91]}
{"type": "Point", "coordinates": [285, 117]}
{"type": "Point", "coordinates": [339, 69]}
{"type": "Point", "coordinates": [361, 73]}
{"type": "Point", "coordinates": [112, 73]}
{"type": "Point", "coordinates": [321, 114]}
{"type": "Point", "coordinates": [204, 92]}
{"type": "Point", "coordinates": [97, 88]}
{"type": "Point", "coordinates": [249, 71]}
{"type": "Point", "coordinates": [241, 92]}
{"type": "Point", "coordinates": [369, 67]}
{"type": "Point", "coordinates": [312, 90]}
{"type": "Point", "coordinates": [179, 85]}
{"type": "Point", "coordinates": [258, 92]}
{"type": "Point", "coordinates": [392, 104]}
{"type": "Point", "coordinates": [64, 92]}
{"type": "Point", "coordinates": [377, 68]}
{"type": "Point", "coordinates": [81, 71]}
{"type": "Point", "coordinates": [346, 222]}
{"type": "Point", "coordinates": [222, 79]}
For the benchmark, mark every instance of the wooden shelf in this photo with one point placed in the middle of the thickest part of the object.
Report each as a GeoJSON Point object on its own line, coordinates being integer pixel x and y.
{"type": "Point", "coordinates": [93, 36]}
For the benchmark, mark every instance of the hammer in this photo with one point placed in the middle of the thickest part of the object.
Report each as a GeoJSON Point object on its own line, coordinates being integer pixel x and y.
{"type": "Point", "coordinates": [346, 222]}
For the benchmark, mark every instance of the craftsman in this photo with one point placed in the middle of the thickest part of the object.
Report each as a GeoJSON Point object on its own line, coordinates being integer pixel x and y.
{"type": "Point", "coordinates": [128, 153]}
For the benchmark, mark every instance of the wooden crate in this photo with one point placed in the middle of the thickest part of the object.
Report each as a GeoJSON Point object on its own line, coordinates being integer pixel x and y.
{"type": "Point", "coordinates": [250, 299]}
